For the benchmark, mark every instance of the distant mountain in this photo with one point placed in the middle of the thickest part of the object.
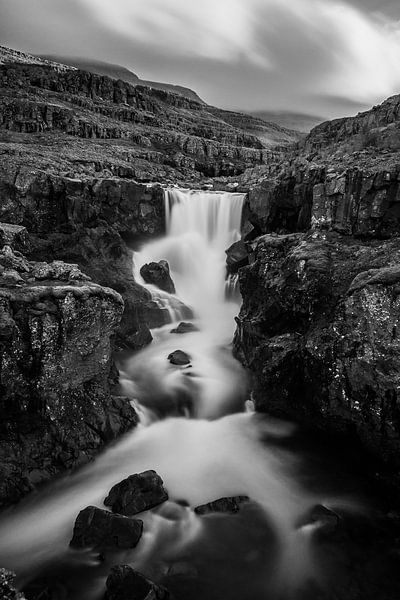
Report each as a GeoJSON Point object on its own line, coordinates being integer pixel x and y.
{"type": "Point", "coordinates": [290, 120]}
{"type": "Point", "coordinates": [117, 72]}
{"type": "Point", "coordinates": [269, 133]}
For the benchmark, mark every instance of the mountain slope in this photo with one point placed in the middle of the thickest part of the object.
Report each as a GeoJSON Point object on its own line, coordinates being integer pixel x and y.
{"type": "Point", "coordinates": [118, 72]}
{"type": "Point", "coordinates": [270, 134]}
{"type": "Point", "coordinates": [302, 123]}
{"type": "Point", "coordinates": [377, 128]}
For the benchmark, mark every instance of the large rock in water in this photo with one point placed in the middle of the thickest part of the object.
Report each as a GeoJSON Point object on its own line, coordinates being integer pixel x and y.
{"type": "Point", "coordinates": [158, 274]}
{"type": "Point", "coordinates": [56, 331]}
{"type": "Point", "coordinates": [184, 327]}
{"type": "Point", "coordinates": [319, 328]}
{"type": "Point", "coordinates": [179, 358]}
{"type": "Point", "coordinates": [124, 583]}
{"type": "Point", "coordinates": [97, 528]}
{"type": "Point", "coordinates": [222, 505]}
{"type": "Point", "coordinates": [137, 493]}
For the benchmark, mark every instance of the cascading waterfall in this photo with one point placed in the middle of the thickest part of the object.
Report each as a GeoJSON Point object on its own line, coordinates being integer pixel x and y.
{"type": "Point", "coordinates": [265, 550]}
{"type": "Point", "coordinates": [200, 226]}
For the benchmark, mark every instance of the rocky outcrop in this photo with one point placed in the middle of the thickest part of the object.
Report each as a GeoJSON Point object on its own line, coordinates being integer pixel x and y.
{"type": "Point", "coordinates": [56, 330]}
{"type": "Point", "coordinates": [136, 493]}
{"type": "Point", "coordinates": [236, 257]}
{"type": "Point", "coordinates": [100, 529]}
{"type": "Point", "coordinates": [184, 327]}
{"type": "Point", "coordinates": [91, 222]}
{"type": "Point", "coordinates": [158, 274]}
{"type": "Point", "coordinates": [222, 505]}
{"type": "Point", "coordinates": [318, 327]}
{"type": "Point", "coordinates": [179, 358]}
{"type": "Point", "coordinates": [377, 128]}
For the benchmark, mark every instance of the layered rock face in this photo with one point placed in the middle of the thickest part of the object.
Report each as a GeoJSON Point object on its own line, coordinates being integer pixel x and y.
{"type": "Point", "coordinates": [90, 222]}
{"type": "Point", "coordinates": [320, 315]}
{"type": "Point", "coordinates": [376, 128]}
{"type": "Point", "coordinates": [150, 134]}
{"type": "Point", "coordinates": [56, 330]}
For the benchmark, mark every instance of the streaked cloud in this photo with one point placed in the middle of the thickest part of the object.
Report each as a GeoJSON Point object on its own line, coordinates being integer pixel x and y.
{"type": "Point", "coordinates": [286, 54]}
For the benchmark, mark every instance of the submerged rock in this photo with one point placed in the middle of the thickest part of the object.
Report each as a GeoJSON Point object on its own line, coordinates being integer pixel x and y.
{"type": "Point", "coordinates": [179, 357]}
{"type": "Point", "coordinates": [184, 327]}
{"type": "Point", "coordinates": [137, 493]}
{"type": "Point", "coordinates": [158, 274]}
{"type": "Point", "coordinates": [97, 528]}
{"type": "Point", "coordinates": [124, 583]}
{"type": "Point", "coordinates": [222, 505]}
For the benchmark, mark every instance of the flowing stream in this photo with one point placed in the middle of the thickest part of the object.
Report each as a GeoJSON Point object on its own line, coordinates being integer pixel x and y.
{"type": "Point", "coordinates": [199, 433]}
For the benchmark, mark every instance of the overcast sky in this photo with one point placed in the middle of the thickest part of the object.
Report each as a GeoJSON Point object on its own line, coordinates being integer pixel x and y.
{"type": "Point", "coordinates": [324, 57]}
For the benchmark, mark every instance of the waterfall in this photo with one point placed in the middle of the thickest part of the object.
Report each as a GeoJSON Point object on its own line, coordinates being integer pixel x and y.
{"type": "Point", "coordinates": [200, 226]}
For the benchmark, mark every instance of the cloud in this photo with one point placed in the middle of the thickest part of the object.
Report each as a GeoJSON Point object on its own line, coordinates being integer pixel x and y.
{"type": "Point", "coordinates": [324, 46]}
{"type": "Point", "coordinates": [256, 54]}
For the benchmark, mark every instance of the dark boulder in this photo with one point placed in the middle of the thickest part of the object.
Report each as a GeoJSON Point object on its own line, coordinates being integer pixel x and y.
{"type": "Point", "coordinates": [222, 505]}
{"type": "Point", "coordinates": [236, 256]}
{"type": "Point", "coordinates": [184, 327]}
{"type": "Point", "coordinates": [124, 583]}
{"type": "Point", "coordinates": [137, 493]}
{"type": "Point", "coordinates": [97, 528]}
{"type": "Point", "coordinates": [180, 358]}
{"type": "Point", "coordinates": [158, 274]}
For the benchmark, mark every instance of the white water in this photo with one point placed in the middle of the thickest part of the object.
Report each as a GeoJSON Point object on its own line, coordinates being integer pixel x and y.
{"type": "Point", "coordinates": [217, 454]}
{"type": "Point", "coordinates": [200, 227]}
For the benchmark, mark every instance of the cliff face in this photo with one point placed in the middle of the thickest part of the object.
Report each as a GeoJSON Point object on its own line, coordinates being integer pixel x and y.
{"type": "Point", "coordinates": [56, 328]}
{"type": "Point", "coordinates": [90, 222]}
{"type": "Point", "coordinates": [376, 128]}
{"type": "Point", "coordinates": [150, 133]}
{"type": "Point", "coordinates": [318, 327]}
{"type": "Point", "coordinates": [320, 315]}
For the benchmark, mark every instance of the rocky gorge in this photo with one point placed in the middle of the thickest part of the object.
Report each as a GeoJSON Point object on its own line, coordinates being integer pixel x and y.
{"type": "Point", "coordinates": [90, 170]}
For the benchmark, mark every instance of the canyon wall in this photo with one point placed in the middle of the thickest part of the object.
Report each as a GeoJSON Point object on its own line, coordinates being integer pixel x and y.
{"type": "Point", "coordinates": [56, 370]}
{"type": "Point", "coordinates": [318, 327]}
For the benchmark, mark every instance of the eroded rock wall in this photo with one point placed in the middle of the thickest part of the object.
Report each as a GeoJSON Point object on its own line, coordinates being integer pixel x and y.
{"type": "Point", "coordinates": [56, 371]}
{"type": "Point", "coordinates": [320, 317]}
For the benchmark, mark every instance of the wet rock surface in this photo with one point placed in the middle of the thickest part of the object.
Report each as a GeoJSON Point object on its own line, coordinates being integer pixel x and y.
{"type": "Point", "coordinates": [136, 494]}
{"type": "Point", "coordinates": [184, 327]}
{"type": "Point", "coordinates": [179, 358]}
{"type": "Point", "coordinates": [222, 505]}
{"type": "Point", "coordinates": [96, 528]}
{"type": "Point", "coordinates": [158, 274]}
{"type": "Point", "coordinates": [124, 583]}
{"type": "Point", "coordinates": [236, 257]}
